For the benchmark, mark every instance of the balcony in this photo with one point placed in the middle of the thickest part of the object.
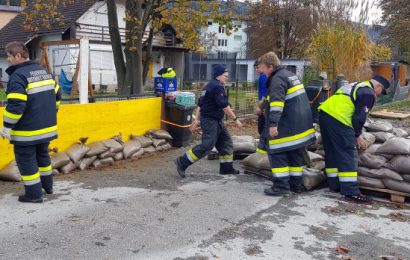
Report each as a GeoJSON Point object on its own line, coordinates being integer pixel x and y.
{"type": "Point", "coordinates": [102, 34]}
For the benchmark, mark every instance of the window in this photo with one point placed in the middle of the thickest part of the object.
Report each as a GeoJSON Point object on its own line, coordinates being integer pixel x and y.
{"type": "Point", "coordinates": [237, 38]}
{"type": "Point", "coordinates": [238, 24]}
{"type": "Point", "coordinates": [221, 29]}
{"type": "Point", "coordinates": [222, 42]}
{"type": "Point", "coordinates": [209, 22]}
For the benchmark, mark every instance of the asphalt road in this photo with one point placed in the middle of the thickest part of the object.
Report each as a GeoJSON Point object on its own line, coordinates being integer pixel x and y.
{"type": "Point", "coordinates": [143, 210]}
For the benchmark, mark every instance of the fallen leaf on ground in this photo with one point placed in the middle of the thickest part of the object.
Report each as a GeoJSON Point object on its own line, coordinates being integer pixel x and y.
{"type": "Point", "coordinates": [399, 216]}
{"type": "Point", "coordinates": [342, 250]}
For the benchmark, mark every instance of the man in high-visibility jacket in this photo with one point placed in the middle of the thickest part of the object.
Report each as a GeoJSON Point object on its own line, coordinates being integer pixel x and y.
{"type": "Point", "coordinates": [30, 120]}
{"type": "Point", "coordinates": [341, 120]}
{"type": "Point", "coordinates": [289, 126]}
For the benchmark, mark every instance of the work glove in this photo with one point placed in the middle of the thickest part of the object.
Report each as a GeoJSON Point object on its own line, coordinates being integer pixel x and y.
{"type": "Point", "coordinates": [5, 133]}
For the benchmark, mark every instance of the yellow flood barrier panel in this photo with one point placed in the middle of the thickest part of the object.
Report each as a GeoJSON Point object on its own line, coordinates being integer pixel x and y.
{"type": "Point", "coordinates": [98, 121]}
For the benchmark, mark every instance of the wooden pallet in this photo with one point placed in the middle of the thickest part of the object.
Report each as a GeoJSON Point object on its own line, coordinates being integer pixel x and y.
{"type": "Point", "coordinates": [390, 115]}
{"type": "Point", "coordinates": [395, 196]}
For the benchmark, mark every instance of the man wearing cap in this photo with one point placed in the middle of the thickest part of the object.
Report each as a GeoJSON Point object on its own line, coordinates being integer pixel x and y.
{"type": "Point", "coordinates": [213, 106]}
{"type": "Point", "coordinates": [341, 120]}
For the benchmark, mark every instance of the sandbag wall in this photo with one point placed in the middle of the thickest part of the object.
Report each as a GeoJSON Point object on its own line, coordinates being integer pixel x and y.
{"type": "Point", "coordinates": [83, 156]}
{"type": "Point", "coordinates": [386, 162]}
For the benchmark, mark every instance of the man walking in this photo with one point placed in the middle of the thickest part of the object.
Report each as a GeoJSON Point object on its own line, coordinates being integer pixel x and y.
{"type": "Point", "coordinates": [30, 120]}
{"type": "Point", "coordinates": [213, 106]}
{"type": "Point", "coordinates": [341, 120]}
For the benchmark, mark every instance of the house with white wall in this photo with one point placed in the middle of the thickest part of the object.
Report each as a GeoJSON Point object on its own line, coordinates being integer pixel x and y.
{"type": "Point", "coordinates": [90, 19]}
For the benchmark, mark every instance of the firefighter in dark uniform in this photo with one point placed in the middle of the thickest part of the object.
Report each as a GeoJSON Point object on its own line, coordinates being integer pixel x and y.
{"type": "Point", "coordinates": [30, 120]}
{"type": "Point", "coordinates": [213, 106]}
{"type": "Point", "coordinates": [341, 120]}
{"type": "Point", "coordinates": [289, 127]}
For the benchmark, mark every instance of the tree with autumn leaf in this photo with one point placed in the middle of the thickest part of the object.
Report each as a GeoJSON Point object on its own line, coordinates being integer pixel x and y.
{"type": "Point", "coordinates": [187, 17]}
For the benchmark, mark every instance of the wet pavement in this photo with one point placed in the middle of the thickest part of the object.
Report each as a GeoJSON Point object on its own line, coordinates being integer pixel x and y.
{"type": "Point", "coordinates": [143, 210]}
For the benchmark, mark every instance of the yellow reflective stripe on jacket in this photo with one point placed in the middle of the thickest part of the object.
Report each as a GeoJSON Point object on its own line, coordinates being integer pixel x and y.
{"type": "Point", "coordinates": [30, 177]}
{"type": "Point", "coordinates": [331, 170]}
{"type": "Point", "coordinates": [280, 170]}
{"type": "Point", "coordinates": [296, 169]}
{"type": "Point", "coordinates": [57, 88]}
{"type": "Point", "coordinates": [18, 96]}
{"type": "Point", "coordinates": [45, 169]}
{"type": "Point", "coordinates": [293, 137]}
{"type": "Point", "coordinates": [58, 103]}
{"type": "Point", "coordinates": [40, 84]}
{"type": "Point", "coordinates": [34, 132]}
{"type": "Point", "coordinates": [277, 104]}
{"type": "Point", "coordinates": [11, 115]}
{"type": "Point", "coordinates": [347, 174]}
{"type": "Point", "coordinates": [294, 89]}
{"type": "Point", "coordinates": [261, 151]}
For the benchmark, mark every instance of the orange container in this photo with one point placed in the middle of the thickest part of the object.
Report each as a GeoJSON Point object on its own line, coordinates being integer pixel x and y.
{"type": "Point", "coordinates": [385, 70]}
{"type": "Point", "coordinates": [402, 74]}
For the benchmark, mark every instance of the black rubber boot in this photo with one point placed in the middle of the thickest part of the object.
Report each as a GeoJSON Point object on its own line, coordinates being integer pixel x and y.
{"type": "Point", "coordinates": [180, 168]}
{"type": "Point", "coordinates": [233, 171]}
{"type": "Point", "coordinates": [359, 199]}
{"type": "Point", "coordinates": [23, 198]}
{"type": "Point", "coordinates": [276, 192]}
{"type": "Point", "coordinates": [49, 191]}
{"type": "Point", "coordinates": [297, 190]}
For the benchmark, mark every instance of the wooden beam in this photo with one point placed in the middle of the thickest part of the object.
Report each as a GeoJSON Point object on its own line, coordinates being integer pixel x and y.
{"type": "Point", "coordinates": [75, 78]}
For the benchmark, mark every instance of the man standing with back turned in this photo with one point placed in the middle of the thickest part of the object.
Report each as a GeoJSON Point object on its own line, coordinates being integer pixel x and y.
{"type": "Point", "coordinates": [341, 120]}
{"type": "Point", "coordinates": [30, 120]}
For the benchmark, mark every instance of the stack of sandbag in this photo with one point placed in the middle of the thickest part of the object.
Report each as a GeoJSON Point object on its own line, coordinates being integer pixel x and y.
{"type": "Point", "coordinates": [312, 178]}
{"type": "Point", "coordinates": [386, 165]}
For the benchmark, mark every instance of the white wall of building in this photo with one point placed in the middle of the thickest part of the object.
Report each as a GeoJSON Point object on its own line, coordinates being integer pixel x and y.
{"type": "Point", "coordinates": [97, 14]}
{"type": "Point", "coordinates": [235, 42]}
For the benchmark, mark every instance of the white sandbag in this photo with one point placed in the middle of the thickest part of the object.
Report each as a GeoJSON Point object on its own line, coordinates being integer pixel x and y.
{"type": "Point", "coordinates": [320, 165]}
{"type": "Point", "coordinates": [138, 154]}
{"type": "Point", "coordinates": [59, 160]}
{"type": "Point", "coordinates": [244, 144]}
{"type": "Point", "coordinates": [406, 177]}
{"type": "Point", "coordinates": [373, 148]}
{"type": "Point", "coordinates": [86, 162]}
{"type": "Point", "coordinates": [166, 147]}
{"type": "Point", "coordinates": [401, 186]}
{"type": "Point", "coordinates": [396, 146]}
{"type": "Point", "coordinates": [380, 126]}
{"type": "Point", "coordinates": [113, 145]}
{"type": "Point", "coordinates": [107, 161]}
{"type": "Point", "coordinates": [97, 164]}
{"type": "Point", "coordinates": [69, 167]}
{"type": "Point", "coordinates": [144, 141]}
{"type": "Point", "coordinates": [243, 139]}
{"type": "Point", "coordinates": [369, 138]}
{"type": "Point", "coordinates": [97, 148]}
{"type": "Point", "coordinates": [320, 152]}
{"type": "Point", "coordinates": [264, 163]}
{"type": "Point", "coordinates": [119, 156]}
{"type": "Point", "coordinates": [372, 161]}
{"type": "Point", "coordinates": [55, 172]}
{"type": "Point", "coordinates": [400, 164]}
{"type": "Point", "coordinates": [106, 154]}
{"type": "Point", "coordinates": [314, 157]}
{"type": "Point", "coordinates": [131, 147]}
{"type": "Point", "coordinates": [158, 142]}
{"type": "Point", "coordinates": [313, 178]}
{"type": "Point", "coordinates": [161, 134]}
{"type": "Point", "coordinates": [382, 137]}
{"type": "Point", "coordinates": [382, 173]}
{"type": "Point", "coordinates": [370, 182]}
{"type": "Point", "coordinates": [255, 161]}
{"type": "Point", "coordinates": [149, 149]}
{"type": "Point", "coordinates": [76, 152]}
{"type": "Point", "coordinates": [10, 173]}
{"type": "Point", "coordinates": [399, 132]}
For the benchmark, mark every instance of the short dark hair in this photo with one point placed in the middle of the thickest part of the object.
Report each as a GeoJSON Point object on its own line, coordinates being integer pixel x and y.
{"type": "Point", "coordinates": [257, 63]}
{"type": "Point", "coordinates": [14, 48]}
